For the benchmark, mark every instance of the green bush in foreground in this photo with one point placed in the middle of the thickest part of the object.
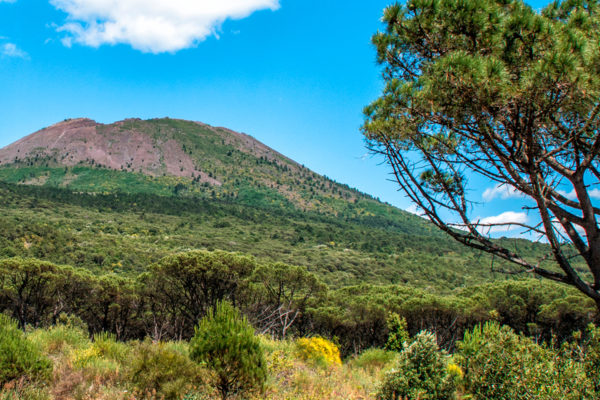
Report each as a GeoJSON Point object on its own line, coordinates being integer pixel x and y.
{"type": "Point", "coordinates": [59, 338]}
{"type": "Point", "coordinates": [225, 342]}
{"type": "Point", "coordinates": [421, 373]}
{"type": "Point", "coordinates": [159, 368]}
{"type": "Point", "coordinates": [500, 364]}
{"type": "Point", "coordinates": [591, 356]}
{"type": "Point", "coordinates": [19, 358]}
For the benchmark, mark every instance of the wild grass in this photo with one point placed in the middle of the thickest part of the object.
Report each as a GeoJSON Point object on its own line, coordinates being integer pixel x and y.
{"type": "Point", "coordinates": [295, 377]}
{"type": "Point", "coordinates": [101, 368]}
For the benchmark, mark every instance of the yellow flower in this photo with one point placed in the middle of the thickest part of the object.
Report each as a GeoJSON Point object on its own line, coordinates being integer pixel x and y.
{"type": "Point", "coordinates": [319, 349]}
{"type": "Point", "coordinates": [80, 358]}
{"type": "Point", "coordinates": [454, 370]}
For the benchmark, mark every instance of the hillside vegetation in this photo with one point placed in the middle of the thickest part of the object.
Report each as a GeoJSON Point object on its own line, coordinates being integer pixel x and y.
{"type": "Point", "coordinates": [167, 156]}
{"type": "Point", "coordinates": [107, 336]}
{"type": "Point", "coordinates": [124, 233]}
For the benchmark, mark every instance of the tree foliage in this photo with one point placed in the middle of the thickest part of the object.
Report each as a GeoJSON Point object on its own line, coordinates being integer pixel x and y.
{"type": "Point", "coordinates": [493, 89]}
{"type": "Point", "coordinates": [182, 288]}
{"type": "Point", "coordinates": [124, 233]}
{"type": "Point", "coordinates": [358, 316]}
{"type": "Point", "coordinates": [281, 295]}
{"type": "Point", "coordinates": [398, 333]}
{"type": "Point", "coordinates": [160, 369]}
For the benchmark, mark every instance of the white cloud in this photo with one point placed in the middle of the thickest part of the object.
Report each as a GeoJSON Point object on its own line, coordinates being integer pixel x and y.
{"type": "Point", "coordinates": [503, 191]}
{"type": "Point", "coordinates": [416, 210]}
{"type": "Point", "coordinates": [11, 50]}
{"type": "Point", "coordinates": [569, 195]}
{"type": "Point", "coordinates": [509, 218]}
{"type": "Point", "coordinates": [594, 194]}
{"type": "Point", "coordinates": [153, 26]}
{"type": "Point", "coordinates": [413, 209]}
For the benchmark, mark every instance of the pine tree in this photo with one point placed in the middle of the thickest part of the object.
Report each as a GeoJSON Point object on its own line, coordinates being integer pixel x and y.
{"type": "Point", "coordinates": [493, 90]}
{"type": "Point", "coordinates": [225, 342]}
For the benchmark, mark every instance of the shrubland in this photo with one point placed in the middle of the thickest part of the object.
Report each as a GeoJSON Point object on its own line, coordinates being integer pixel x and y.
{"type": "Point", "coordinates": [491, 362]}
{"type": "Point", "coordinates": [167, 300]}
{"type": "Point", "coordinates": [108, 290]}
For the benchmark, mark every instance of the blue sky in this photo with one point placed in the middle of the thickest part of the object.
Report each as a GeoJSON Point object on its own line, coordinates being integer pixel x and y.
{"type": "Point", "coordinates": [295, 74]}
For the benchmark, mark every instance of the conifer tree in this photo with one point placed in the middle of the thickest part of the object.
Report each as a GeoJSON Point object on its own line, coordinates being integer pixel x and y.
{"type": "Point", "coordinates": [226, 344]}
{"type": "Point", "coordinates": [495, 90]}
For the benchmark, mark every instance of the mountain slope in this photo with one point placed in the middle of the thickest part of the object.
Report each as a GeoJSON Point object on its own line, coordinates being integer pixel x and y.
{"type": "Point", "coordinates": [155, 147]}
{"type": "Point", "coordinates": [190, 159]}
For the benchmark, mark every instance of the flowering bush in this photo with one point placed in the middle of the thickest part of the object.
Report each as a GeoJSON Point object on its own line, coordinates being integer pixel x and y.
{"type": "Point", "coordinates": [319, 350]}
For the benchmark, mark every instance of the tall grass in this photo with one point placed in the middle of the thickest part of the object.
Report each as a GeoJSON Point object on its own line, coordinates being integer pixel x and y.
{"type": "Point", "coordinates": [101, 368]}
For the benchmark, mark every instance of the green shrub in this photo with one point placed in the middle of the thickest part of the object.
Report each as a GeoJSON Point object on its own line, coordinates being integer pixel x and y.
{"type": "Point", "coordinates": [161, 369]}
{"type": "Point", "coordinates": [500, 364]}
{"type": "Point", "coordinates": [104, 349]}
{"type": "Point", "coordinates": [374, 359]}
{"type": "Point", "coordinates": [108, 346]}
{"type": "Point", "coordinates": [591, 358]}
{"type": "Point", "coordinates": [398, 332]}
{"type": "Point", "coordinates": [102, 360]}
{"type": "Point", "coordinates": [225, 342]}
{"type": "Point", "coordinates": [19, 358]}
{"type": "Point", "coordinates": [59, 338]}
{"type": "Point", "coordinates": [586, 350]}
{"type": "Point", "coordinates": [420, 373]}
{"type": "Point", "coordinates": [72, 321]}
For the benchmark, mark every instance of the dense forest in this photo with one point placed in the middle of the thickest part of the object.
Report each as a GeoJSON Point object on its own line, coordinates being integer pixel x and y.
{"type": "Point", "coordinates": [125, 232]}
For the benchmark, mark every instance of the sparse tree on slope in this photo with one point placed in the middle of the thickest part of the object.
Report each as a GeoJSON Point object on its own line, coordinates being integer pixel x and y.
{"type": "Point", "coordinates": [491, 88]}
